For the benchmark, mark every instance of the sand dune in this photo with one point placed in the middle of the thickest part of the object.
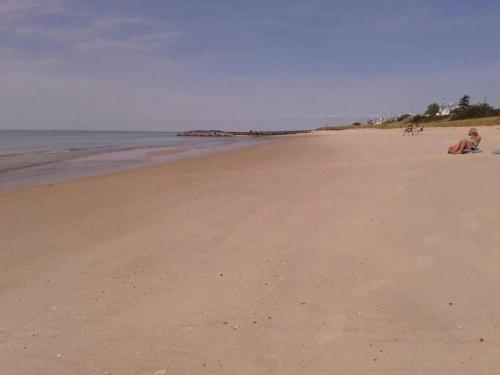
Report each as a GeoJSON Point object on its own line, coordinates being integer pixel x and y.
{"type": "Point", "coordinates": [353, 252]}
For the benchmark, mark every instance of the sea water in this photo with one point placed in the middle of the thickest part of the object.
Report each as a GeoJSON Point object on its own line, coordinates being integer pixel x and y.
{"type": "Point", "coordinates": [30, 157]}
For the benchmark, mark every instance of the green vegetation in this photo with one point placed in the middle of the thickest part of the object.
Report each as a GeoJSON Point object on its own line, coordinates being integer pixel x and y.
{"type": "Point", "coordinates": [432, 110]}
{"type": "Point", "coordinates": [476, 111]}
{"type": "Point", "coordinates": [406, 116]}
{"type": "Point", "coordinates": [461, 114]}
{"type": "Point", "coordinates": [454, 115]}
{"type": "Point", "coordinates": [448, 122]}
{"type": "Point", "coordinates": [342, 127]}
{"type": "Point", "coordinates": [464, 101]}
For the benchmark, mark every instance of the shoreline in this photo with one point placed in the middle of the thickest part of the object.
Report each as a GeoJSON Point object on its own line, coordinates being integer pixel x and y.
{"type": "Point", "coordinates": [170, 154]}
{"type": "Point", "coordinates": [95, 162]}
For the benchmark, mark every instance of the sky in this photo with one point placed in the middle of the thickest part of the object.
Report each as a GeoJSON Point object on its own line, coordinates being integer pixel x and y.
{"type": "Point", "coordinates": [240, 64]}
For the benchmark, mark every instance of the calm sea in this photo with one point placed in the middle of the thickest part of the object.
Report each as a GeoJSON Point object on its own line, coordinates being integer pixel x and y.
{"type": "Point", "coordinates": [29, 157]}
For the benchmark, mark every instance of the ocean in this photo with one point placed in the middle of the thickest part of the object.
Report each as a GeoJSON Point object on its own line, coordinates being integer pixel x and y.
{"type": "Point", "coordinates": [30, 157]}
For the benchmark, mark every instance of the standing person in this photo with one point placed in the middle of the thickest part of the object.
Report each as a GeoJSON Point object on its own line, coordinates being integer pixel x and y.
{"type": "Point", "coordinates": [470, 143]}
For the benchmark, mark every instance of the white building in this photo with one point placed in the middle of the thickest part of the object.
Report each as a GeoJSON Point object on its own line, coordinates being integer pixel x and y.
{"type": "Point", "coordinates": [447, 110]}
{"type": "Point", "coordinates": [376, 121]}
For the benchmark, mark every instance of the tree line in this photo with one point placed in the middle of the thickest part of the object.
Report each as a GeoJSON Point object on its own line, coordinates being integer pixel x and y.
{"type": "Point", "coordinates": [464, 110]}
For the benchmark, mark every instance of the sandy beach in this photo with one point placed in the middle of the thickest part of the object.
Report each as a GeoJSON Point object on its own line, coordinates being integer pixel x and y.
{"type": "Point", "coordinates": [349, 252]}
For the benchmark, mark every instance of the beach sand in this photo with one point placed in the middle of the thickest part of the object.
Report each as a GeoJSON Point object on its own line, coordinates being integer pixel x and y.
{"type": "Point", "coordinates": [350, 252]}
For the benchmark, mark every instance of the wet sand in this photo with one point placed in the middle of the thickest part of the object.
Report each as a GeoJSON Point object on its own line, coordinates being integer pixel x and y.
{"type": "Point", "coordinates": [352, 252]}
{"type": "Point", "coordinates": [173, 151]}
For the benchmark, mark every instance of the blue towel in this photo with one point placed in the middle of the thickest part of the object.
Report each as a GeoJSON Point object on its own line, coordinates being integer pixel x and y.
{"type": "Point", "coordinates": [471, 151]}
{"type": "Point", "coordinates": [497, 151]}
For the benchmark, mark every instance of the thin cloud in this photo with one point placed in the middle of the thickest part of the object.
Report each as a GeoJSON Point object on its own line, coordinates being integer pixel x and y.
{"type": "Point", "coordinates": [112, 32]}
{"type": "Point", "coordinates": [24, 8]}
{"type": "Point", "coordinates": [308, 116]}
{"type": "Point", "coordinates": [114, 21]}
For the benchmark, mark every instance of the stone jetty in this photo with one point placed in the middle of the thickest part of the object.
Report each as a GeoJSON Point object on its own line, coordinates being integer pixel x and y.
{"type": "Point", "coordinates": [221, 133]}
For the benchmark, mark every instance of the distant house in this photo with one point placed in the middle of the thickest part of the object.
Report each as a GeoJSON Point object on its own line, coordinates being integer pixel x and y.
{"type": "Point", "coordinates": [376, 121]}
{"type": "Point", "coordinates": [447, 110]}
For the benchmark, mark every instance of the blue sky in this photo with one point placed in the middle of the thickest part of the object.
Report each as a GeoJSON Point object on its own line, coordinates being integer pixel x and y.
{"type": "Point", "coordinates": [173, 65]}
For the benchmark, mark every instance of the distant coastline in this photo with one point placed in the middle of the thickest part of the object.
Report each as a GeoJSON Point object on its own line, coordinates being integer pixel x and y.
{"type": "Point", "coordinates": [445, 123]}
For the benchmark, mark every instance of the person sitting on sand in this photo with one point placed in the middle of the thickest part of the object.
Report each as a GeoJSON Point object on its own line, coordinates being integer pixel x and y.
{"type": "Point", "coordinates": [414, 130]}
{"type": "Point", "coordinates": [408, 130]}
{"type": "Point", "coordinates": [470, 143]}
